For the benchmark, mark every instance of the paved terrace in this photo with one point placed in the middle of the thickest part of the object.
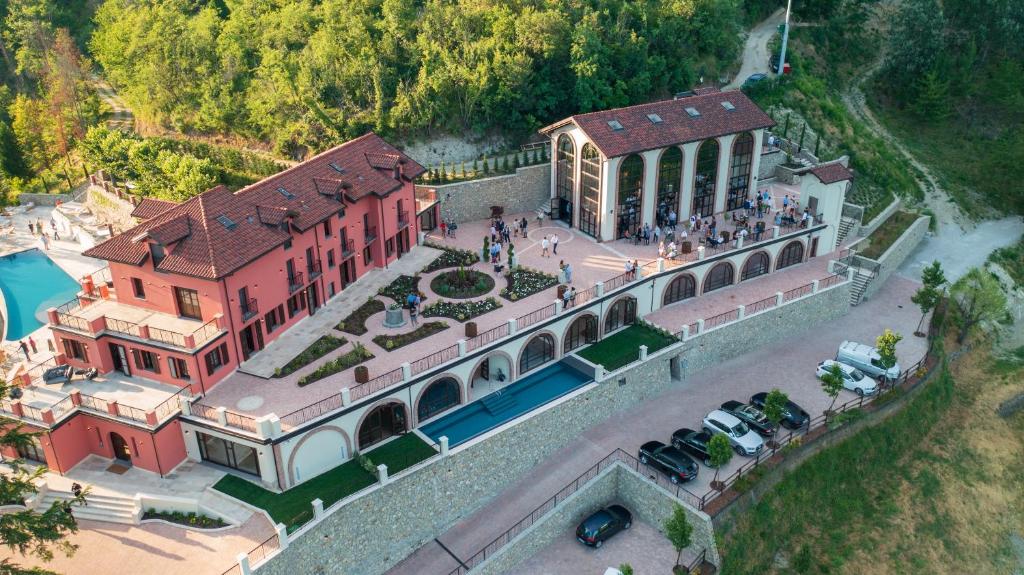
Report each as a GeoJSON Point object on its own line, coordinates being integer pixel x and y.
{"type": "Point", "coordinates": [591, 262]}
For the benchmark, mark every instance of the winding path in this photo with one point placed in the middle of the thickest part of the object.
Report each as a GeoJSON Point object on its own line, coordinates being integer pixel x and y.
{"type": "Point", "coordinates": [755, 51]}
{"type": "Point", "coordinates": [121, 118]}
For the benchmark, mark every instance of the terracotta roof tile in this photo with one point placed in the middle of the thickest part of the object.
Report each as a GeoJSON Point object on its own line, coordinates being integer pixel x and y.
{"type": "Point", "coordinates": [832, 173]}
{"type": "Point", "coordinates": [151, 207]}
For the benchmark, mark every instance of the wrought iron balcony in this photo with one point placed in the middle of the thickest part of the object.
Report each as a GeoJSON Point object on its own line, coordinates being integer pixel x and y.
{"type": "Point", "coordinates": [370, 234]}
{"type": "Point", "coordinates": [295, 282]}
{"type": "Point", "coordinates": [249, 309]}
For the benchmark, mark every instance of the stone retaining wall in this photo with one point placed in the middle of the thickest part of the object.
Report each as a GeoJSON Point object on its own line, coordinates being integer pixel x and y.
{"type": "Point", "coordinates": [109, 208]}
{"type": "Point", "coordinates": [526, 190]}
{"type": "Point", "coordinates": [868, 228]}
{"type": "Point", "coordinates": [897, 253]}
{"type": "Point", "coordinates": [43, 199]}
{"type": "Point", "coordinates": [769, 160]}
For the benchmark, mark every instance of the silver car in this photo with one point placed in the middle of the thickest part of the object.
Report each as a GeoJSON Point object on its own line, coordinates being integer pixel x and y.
{"type": "Point", "coordinates": [743, 440]}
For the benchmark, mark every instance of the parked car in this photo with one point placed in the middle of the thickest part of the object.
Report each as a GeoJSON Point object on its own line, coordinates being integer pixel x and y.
{"type": "Point", "coordinates": [866, 359]}
{"type": "Point", "coordinates": [753, 79]}
{"type": "Point", "coordinates": [743, 440]}
{"type": "Point", "coordinates": [671, 461]}
{"type": "Point", "coordinates": [694, 443]}
{"type": "Point", "coordinates": [853, 378]}
{"type": "Point", "coordinates": [773, 64]}
{"type": "Point", "coordinates": [600, 526]}
{"type": "Point", "coordinates": [793, 416]}
{"type": "Point", "coordinates": [750, 415]}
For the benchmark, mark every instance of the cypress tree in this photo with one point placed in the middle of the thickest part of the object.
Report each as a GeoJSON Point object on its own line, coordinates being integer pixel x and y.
{"type": "Point", "coordinates": [487, 165]}
{"type": "Point", "coordinates": [476, 167]}
{"type": "Point", "coordinates": [463, 170]}
{"type": "Point", "coordinates": [785, 129]}
{"type": "Point", "coordinates": [515, 162]}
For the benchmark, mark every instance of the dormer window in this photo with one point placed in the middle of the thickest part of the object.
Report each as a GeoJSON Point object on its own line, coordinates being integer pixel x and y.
{"type": "Point", "coordinates": [158, 253]}
{"type": "Point", "coordinates": [615, 125]}
{"type": "Point", "coordinates": [692, 112]}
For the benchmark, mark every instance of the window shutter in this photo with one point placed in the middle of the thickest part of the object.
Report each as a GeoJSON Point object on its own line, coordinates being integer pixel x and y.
{"type": "Point", "coordinates": [171, 369]}
{"type": "Point", "coordinates": [209, 362]}
{"type": "Point", "coordinates": [156, 363]}
{"type": "Point", "coordinates": [67, 348]}
{"type": "Point", "coordinates": [85, 352]}
{"type": "Point", "coordinates": [223, 354]}
{"type": "Point", "coordinates": [138, 358]}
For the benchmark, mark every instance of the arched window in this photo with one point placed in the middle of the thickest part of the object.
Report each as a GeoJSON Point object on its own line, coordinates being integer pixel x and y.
{"type": "Point", "coordinates": [631, 192]}
{"type": "Point", "coordinates": [719, 277]}
{"type": "Point", "coordinates": [441, 395]}
{"type": "Point", "coordinates": [582, 331]}
{"type": "Point", "coordinates": [564, 176]}
{"type": "Point", "coordinates": [538, 351]}
{"type": "Point", "coordinates": [623, 312]}
{"type": "Point", "coordinates": [756, 265]}
{"type": "Point", "coordinates": [704, 179]}
{"type": "Point", "coordinates": [739, 171]}
{"type": "Point", "coordinates": [682, 287]}
{"type": "Point", "coordinates": [669, 172]}
{"type": "Point", "coordinates": [590, 190]}
{"type": "Point", "coordinates": [792, 254]}
{"type": "Point", "coordinates": [381, 423]}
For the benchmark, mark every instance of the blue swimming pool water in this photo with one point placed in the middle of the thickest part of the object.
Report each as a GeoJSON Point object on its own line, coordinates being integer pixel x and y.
{"type": "Point", "coordinates": [31, 282]}
{"type": "Point", "coordinates": [506, 404]}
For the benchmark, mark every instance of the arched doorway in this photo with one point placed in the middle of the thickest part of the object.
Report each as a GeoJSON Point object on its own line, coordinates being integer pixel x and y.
{"type": "Point", "coordinates": [582, 331]}
{"type": "Point", "coordinates": [538, 351]}
{"type": "Point", "coordinates": [590, 190]}
{"type": "Point", "coordinates": [739, 171]}
{"type": "Point", "coordinates": [756, 265]}
{"type": "Point", "coordinates": [719, 277]}
{"type": "Point", "coordinates": [382, 422]}
{"type": "Point", "coordinates": [791, 255]}
{"type": "Point", "coordinates": [121, 449]}
{"type": "Point", "coordinates": [682, 287]}
{"type": "Point", "coordinates": [439, 396]}
{"type": "Point", "coordinates": [631, 193]}
{"type": "Point", "coordinates": [622, 312]}
{"type": "Point", "coordinates": [704, 179]}
{"type": "Point", "coordinates": [670, 170]}
{"type": "Point", "coordinates": [565, 177]}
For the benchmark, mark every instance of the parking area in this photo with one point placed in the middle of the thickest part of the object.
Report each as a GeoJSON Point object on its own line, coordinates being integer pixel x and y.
{"type": "Point", "coordinates": [789, 364]}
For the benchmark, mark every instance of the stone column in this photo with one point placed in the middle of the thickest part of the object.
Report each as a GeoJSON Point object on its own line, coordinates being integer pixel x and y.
{"type": "Point", "coordinates": [650, 189]}
{"type": "Point", "coordinates": [722, 180]}
{"type": "Point", "coordinates": [689, 172]}
{"type": "Point", "coordinates": [609, 195]}
{"type": "Point", "coordinates": [755, 164]}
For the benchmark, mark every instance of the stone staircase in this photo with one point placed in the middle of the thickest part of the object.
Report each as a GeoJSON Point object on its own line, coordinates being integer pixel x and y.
{"type": "Point", "coordinates": [498, 402]}
{"type": "Point", "coordinates": [861, 281]}
{"type": "Point", "coordinates": [111, 508]}
{"type": "Point", "coordinates": [845, 225]}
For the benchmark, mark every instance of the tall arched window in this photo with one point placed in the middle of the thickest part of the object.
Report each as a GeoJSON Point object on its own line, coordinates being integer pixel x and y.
{"type": "Point", "coordinates": [719, 277]}
{"type": "Point", "coordinates": [622, 312]}
{"type": "Point", "coordinates": [582, 331]}
{"type": "Point", "coordinates": [381, 423]}
{"type": "Point", "coordinates": [631, 192]}
{"type": "Point", "coordinates": [565, 177]}
{"type": "Point", "coordinates": [538, 351]}
{"type": "Point", "coordinates": [756, 265]}
{"type": "Point", "coordinates": [441, 395]}
{"type": "Point", "coordinates": [590, 190]}
{"type": "Point", "coordinates": [669, 172]}
{"type": "Point", "coordinates": [739, 170]}
{"type": "Point", "coordinates": [704, 179]}
{"type": "Point", "coordinates": [792, 254]}
{"type": "Point", "coordinates": [682, 287]}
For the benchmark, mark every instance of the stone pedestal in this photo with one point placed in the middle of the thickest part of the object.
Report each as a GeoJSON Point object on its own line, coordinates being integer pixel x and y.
{"type": "Point", "coordinates": [394, 318]}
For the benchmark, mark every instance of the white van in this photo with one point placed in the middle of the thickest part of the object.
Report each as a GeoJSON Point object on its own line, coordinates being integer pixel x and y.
{"type": "Point", "coordinates": [866, 359]}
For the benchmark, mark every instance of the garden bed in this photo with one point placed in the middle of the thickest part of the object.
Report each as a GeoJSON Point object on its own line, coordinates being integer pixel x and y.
{"type": "Point", "coordinates": [400, 289]}
{"type": "Point", "coordinates": [393, 342]}
{"type": "Point", "coordinates": [355, 323]}
{"type": "Point", "coordinates": [524, 282]}
{"type": "Point", "coordinates": [887, 233]}
{"type": "Point", "coordinates": [450, 258]}
{"type": "Point", "coordinates": [623, 347]}
{"type": "Point", "coordinates": [357, 355]}
{"type": "Point", "coordinates": [190, 519]}
{"type": "Point", "coordinates": [319, 348]}
{"type": "Point", "coordinates": [461, 310]}
{"type": "Point", "coordinates": [462, 284]}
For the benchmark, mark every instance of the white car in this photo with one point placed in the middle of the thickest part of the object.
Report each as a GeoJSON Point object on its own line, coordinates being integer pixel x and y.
{"type": "Point", "coordinates": [743, 440]}
{"type": "Point", "coordinates": [853, 378]}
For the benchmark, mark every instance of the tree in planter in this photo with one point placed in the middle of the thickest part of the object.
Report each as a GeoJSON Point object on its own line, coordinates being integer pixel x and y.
{"type": "Point", "coordinates": [930, 293]}
{"type": "Point", "coordinates": [774, 407]}
{"type": "Point", "coordinates": [463, 170]}
{"type": "Point", "coordinates": [511, 255]}
{"type": "Point", "coordinates": [832, 384]}
{"type": "Point", "coordinates": [476, 167]}
{"type": "Point", "coordinates": [515, 162]}
{"type": "Point", "coordinates": [487, 165]}
{"type": "Point", "coordinates": [977, 297]}
{"type": "Point", "coordinates": [679, 531]}
{"type": "Point", "coordinates": [720, 453]}
{"type": "Point", "coordinates": [487, 249]}
{"type": "Point", "coordinates": [886, 344]}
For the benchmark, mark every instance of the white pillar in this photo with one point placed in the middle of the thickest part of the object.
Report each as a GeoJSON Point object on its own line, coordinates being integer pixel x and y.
{"type": "Point", "coordinates": [346, 397]}
{"type": "Point", "coordinates": [779, 297]}
{"type": "Point", "coordinates": [700, 252]}
{"type": "Point", "coordinates": [685, 332]}
{"type": "Point", "coordinates": [722, 181]}
{"type": "Point", "coordinates": [831, 266]}
{"type": "Point", "coordinates": [443, 442]}
{"type": "Point", "coordinates": [739, 242]}
{"type": "Point", "coordinates": [599, 288]}
{"type": "Point", "coordinates": [643, 352]}
{"type": "Point", "coordinates": [462, 347]}
{"type": "Point", "coordinates": [558, 306]}
{"type": "Point", "coordinates": [650, 197]}
{"type": "Point", "coordinates": [609, 193]}
{"type": "Point", "coordinates": [775, 232]}
{"type": "Point", "coordinates": [661, 264]}
{"type": "Point", "coordinates": [185, 405]}
{"type": "Point", "coordinates": [599, 373]}
{"type": "Point", "coordinates": [850, 274]}
{"type": "Point", "coordinates": [689, 171]}
{"type": "Point", "coordinates": [700, 326]}
{"type": "Point", "coordinates": [282, 536]}
{"type": "Point", "coordinates": [511, 326]}
{"type": "Point", "coordinates": [406, 371]}
{"type": "Point", "coordinates": [243, 564]}
{"type": "Point", "coordinates": [222, 416]}
{"type": "Point", "coordinates": [755, 165]}
{"type": "Point", "coordinates": [741, 311]}
{"type": "Point", "coordinates": [814, 286]}
{"type": "Point", "coordinates": [382, 474]}
{"type": "Point", "coordinates": [318, 508]}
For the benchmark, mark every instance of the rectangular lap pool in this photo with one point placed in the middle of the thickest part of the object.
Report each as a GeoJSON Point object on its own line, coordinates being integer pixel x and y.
{"type": "Point", "coordinates": [30, 283]}
{"type": "Point", "coordinates": [506, 404]}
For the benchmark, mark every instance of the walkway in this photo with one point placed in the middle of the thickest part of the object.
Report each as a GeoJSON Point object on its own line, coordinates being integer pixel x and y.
{"type": "Point", "coordinates": [755, 52]}
{"type": "Point", "coordinates": [121, 118]}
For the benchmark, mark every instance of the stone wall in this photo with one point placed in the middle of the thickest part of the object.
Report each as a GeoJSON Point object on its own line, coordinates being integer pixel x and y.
{"type": "Point", "coordinates": [897, 253]}
{"type": "Point", "coordinates": [43, 199]}
{"type": "Point", "coordinates": [769, 160]}
{"type": "Point", "coordinates": [525, 191]}
{"type": "Point", "coordinates": [110, 209]}
{"type": "Point", "coordinates": [868, 228]}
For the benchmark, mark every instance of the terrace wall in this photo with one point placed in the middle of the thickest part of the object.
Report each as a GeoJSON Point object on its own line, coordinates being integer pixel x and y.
{"type": "Point", "coordinates": [526, 190]}
{"type": "Point", "coordinates": [109, 208]}
{"type": "Point", "coordinates": [897, 253]}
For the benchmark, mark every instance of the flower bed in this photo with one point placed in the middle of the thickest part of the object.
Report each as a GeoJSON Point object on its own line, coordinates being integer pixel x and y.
{"type": "Point", "coordinates": [524, 282]}
{"type": "Point", "coordinates": [461, 310]}
{"type": "Point", "coordinates": [451, 258]}
{"type": "Point", "coordinates": [399, 289]}
{"type": "Point", "coordinates": [462, 284]}
{"type": "Point", "coordinates": [319, 348]}
{"type": "Point", "coordinates": [393, 342]}
{"type": "Point", "coordinates": [191, 519]}
{"type": "Point", "coordinates": [358, 355]}
{"type": "Point", "coordinates": [355, 323]}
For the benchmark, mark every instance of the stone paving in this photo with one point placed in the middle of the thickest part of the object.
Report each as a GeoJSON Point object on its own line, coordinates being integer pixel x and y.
{"type": "Point", "coordinates": [788, 364]}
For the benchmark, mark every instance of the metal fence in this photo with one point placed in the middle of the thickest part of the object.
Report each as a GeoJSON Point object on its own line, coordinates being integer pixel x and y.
{"type": "Point", "coordinates": [487, 337]}
{"type": "Point", "coordinates": [762, 305]}
{"type": "Point", "coordinates": [132, 413]}
{"type": "Point", "coordinates": [525, 321]}
{"type": "Point", "coordinates": [435, 359]}
{"type": "Point", "coordinates": [798, 292]}
{"type": "Point", "coordinates": [721, 319]}
{"type": "Point", "coordinates": [312, 411]}
{"type": "Point", "coordinates": [171, 405]}
{"type": "Point", "coordinates": [166, 336]}
{"type": "Point", "coordinates": [378, 383]}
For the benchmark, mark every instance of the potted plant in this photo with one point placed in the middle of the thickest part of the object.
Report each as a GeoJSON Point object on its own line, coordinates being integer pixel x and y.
{"type": "Point", "coordinates": [471, 329]}
{"type": "Point", "coordinates": [685, 247]}
{"type": "Point", "coordinates": [362, 374]}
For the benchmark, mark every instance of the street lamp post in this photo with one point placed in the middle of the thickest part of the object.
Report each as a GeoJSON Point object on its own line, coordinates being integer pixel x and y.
{"type": "Point", "coordinates": [785, 40]}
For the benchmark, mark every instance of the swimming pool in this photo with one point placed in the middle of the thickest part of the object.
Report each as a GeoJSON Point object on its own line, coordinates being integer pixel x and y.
{"type": "Point", "coordinates": [506, 404]}
{"type": "Point", "coordinates": [30, 283]}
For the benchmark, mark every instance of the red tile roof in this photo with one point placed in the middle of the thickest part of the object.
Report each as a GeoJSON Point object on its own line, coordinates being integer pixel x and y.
{"type": "Point", "coordinates": [218, 232]}
{"type": "Point", "coordinates": [639, 133]}
{"type": "Point", "coordinates": [832, 173]}
{"type": "Point", "coordinates": [151, 207]}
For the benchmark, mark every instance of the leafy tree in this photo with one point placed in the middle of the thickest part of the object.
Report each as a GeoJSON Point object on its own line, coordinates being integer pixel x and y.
{"type": "Point", "coordinates": [720, 453]}
{"type": "Point", "coordinates": [678, 530]}
{"type": "Point", "coordinates": [832, 383]}
{"type": "Point", "coordinates": [930, 293]}
{"type": "Point", "coordinates": [626, 569]}
{"type": "Point", "coordinates": [932, 96]}
{"type": "Point", "coordinates": [886, 345]}
{"type": "Point", "coordinates": [977, 297]}
{"type": "Point", "coordinates": [774, 408]}
{"type": "Point", "coordinates": [916, 41]}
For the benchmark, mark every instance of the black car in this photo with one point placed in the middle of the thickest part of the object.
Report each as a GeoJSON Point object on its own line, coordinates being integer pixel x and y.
{"type": "Point", "coordinates": [597, 528]}
{"type": "Point", "coordinates": [793, 416]}
{"type": "Point", "coordinates": [752, 416]}
{"type": "Point", "coordinates": [671, 461]}
{"type": "Point", "coordinates": [694, 443]}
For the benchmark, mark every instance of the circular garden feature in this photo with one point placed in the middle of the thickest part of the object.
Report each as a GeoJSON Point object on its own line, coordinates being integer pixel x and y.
{"type": "Point", "coordinates": [461, 284]}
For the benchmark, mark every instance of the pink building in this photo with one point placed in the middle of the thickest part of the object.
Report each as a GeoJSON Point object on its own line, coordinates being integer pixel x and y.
{"type": "Point", "coordinates": [201, 286]}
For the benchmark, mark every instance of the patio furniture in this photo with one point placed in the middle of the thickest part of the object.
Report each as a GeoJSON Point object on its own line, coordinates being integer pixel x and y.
{"type": "Point", "coordinates": [58, 375]}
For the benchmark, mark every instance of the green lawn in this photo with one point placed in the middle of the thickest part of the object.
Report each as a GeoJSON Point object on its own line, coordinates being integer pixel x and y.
{"type": "Point", "coordinates": [887, 233]}
{"type": "Point", "coordinates": [624, 347]}
{"type": "Point", "coordinates": [293, 507]}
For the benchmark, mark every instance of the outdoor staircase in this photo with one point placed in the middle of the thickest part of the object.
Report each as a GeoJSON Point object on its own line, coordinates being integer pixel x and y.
{"type": "Point", "coordinates": [111, 508]}
{"type": "Point", "coordinates": [498, 403]}
{"type": "Point", "coordinates": [845, 225]}
{"type": "Point", "coordinates": [861, 281]}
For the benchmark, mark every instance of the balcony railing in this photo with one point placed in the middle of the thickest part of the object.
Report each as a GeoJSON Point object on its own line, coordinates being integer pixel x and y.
{"type": "Point", "coordinates": [370, 234]}
{"type": "Point", "coordinates": [403, 219]}
{"type": "Point", "coordinates": [208, 331]}
{"type": "Point", "coordinates": [315, 269]}
{"type": "Point", "coordinates": [200, 336]}
{"type": "Point", "coordinates": [65, 317]}
{"type": "Point", "coordinates": [295, 282]}
{"type": "Point", "coordinates": [123, 326]}
{"type": "Point", "coordinates": [249, 309]}
{"type": "Point", "coordinates": [166, 336]}
{"type": "Point", "coordinates": [348, 248]}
